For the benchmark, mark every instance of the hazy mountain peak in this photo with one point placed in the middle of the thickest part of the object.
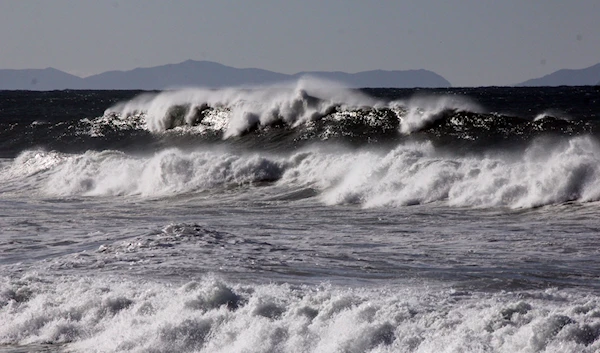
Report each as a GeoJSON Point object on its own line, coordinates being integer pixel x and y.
{"type": "Point", "coordinates": [568, 77]}
{"type": "Point", "coordinates": [206, 74]}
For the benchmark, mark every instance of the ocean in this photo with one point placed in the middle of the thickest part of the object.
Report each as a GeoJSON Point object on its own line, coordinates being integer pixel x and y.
{"type": "Point", "coordinates": [300, 218]}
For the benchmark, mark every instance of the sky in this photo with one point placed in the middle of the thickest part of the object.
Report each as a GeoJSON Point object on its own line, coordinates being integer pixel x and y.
{"type": "Point", "coordinates": [469, 42]}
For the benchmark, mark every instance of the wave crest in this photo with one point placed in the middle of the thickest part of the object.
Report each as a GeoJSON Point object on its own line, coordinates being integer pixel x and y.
{"type": "Point", "coordinates": [306, 100]}
{"type": "Point", "coordinates": [546, 172]}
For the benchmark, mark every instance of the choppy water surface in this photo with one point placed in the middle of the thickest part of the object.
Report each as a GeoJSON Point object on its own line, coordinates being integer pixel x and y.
{"type": "Point", "coordinates": [300, 219]}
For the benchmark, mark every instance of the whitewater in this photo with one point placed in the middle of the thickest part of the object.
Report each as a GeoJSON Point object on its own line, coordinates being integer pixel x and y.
{"type": "Point", "coordinates": [300, 218]}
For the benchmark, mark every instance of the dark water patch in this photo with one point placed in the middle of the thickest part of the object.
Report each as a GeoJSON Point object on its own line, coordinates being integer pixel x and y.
{"type": "Point", "coordinates": [76, 121]}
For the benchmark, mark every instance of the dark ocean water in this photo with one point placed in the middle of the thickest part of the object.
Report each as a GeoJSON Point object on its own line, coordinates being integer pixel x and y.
{"type": "Point", "coordinates": [308, 218]}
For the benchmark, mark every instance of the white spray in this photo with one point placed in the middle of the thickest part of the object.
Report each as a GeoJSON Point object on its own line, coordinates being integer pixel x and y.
{"type": "Point", "coordinates": [308, 99]}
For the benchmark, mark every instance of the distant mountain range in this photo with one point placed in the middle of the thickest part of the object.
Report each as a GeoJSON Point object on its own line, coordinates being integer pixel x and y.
{"type": "Point", "coordinates": [583, 77]}
{"type": "Point", "coordinates": [38, 79]}
{"type": "Point", "coordinates": [204, 74]}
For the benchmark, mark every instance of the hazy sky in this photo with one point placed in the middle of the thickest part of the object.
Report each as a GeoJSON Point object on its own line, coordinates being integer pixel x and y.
{"type": "Point", "coordinates": [470, 42]}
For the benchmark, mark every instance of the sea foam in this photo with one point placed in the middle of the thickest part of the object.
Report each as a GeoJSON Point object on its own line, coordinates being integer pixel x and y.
{"type": "Point", "coordinates": [546, 172]}
{"type": "Point", "coordinates": [212, 315]}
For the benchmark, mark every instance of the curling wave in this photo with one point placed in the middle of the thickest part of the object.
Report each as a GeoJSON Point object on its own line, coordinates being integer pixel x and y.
{"type": "Point", "coordinates": [280, 119]}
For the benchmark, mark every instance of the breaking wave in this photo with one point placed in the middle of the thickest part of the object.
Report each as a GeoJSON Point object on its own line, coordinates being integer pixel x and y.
{"type": "Point", "coordinates": [307, 100]}
{"type": "Point", "coordinates": [311, 138]}
{"type": "Point", "coordinates": [285, 118]}
{"type": "Point", "coordinates": [546, 172]}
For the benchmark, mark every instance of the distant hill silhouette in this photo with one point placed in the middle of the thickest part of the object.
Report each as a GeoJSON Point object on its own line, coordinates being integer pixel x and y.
{"type": "Point", "coordinates": [39, 80]}
{"type": "Point", "coordinates": [187, 73]}
{"type": "Point", "coordinates": [566, 77]}
{"type": "Point", "coordinates": [205, 74]}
